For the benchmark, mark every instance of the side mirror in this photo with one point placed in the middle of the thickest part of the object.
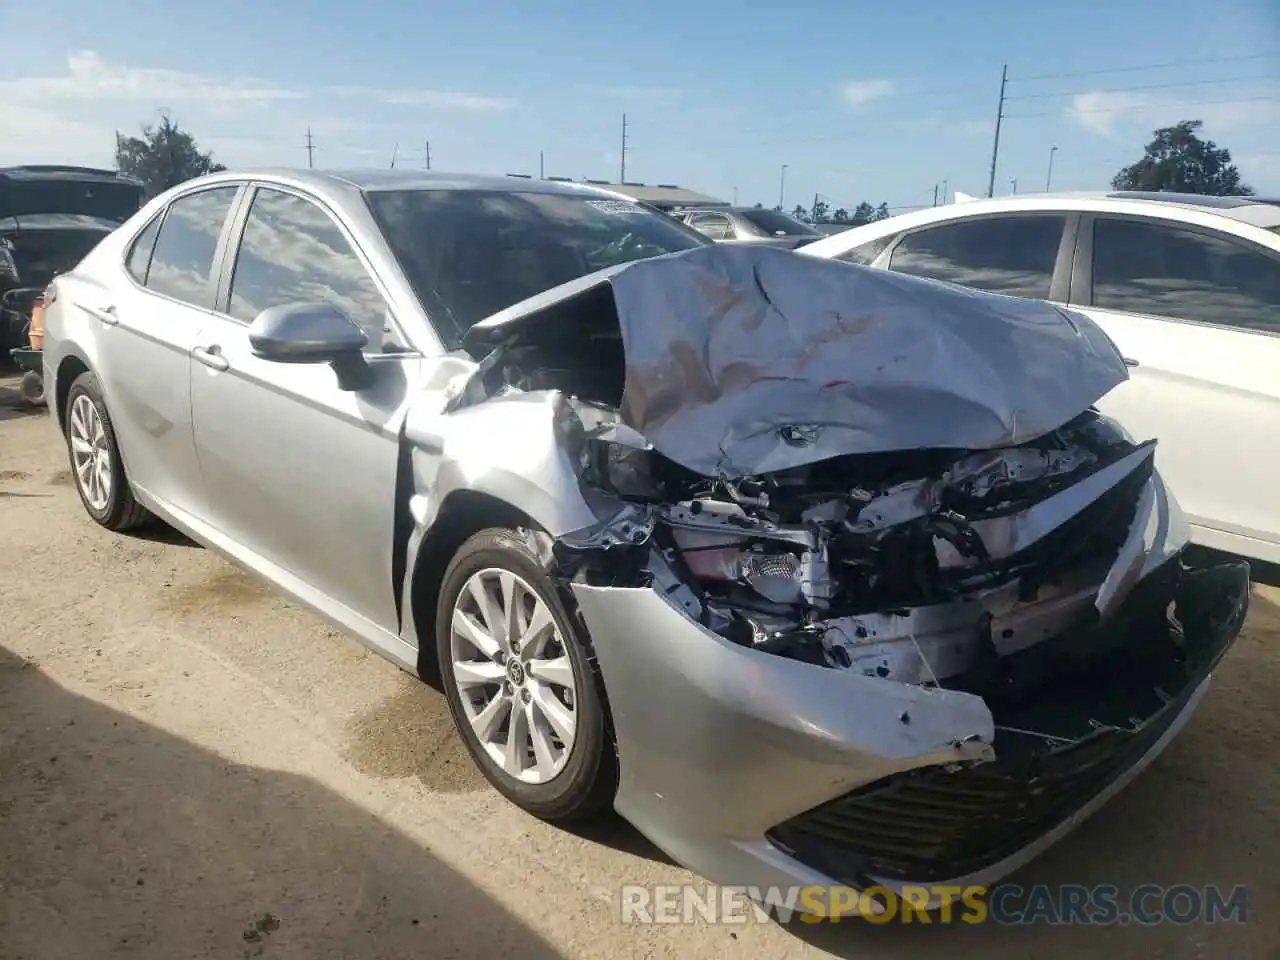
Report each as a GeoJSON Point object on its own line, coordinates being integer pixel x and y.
{"type": "Point", "coordinates": [313, 333]}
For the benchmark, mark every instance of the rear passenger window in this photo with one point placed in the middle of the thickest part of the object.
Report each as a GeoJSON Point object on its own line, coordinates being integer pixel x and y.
{"type": "Point", "coordinates": [182, 263]}
{"type": "Point", "coordinates": [1014, 256]}
{"type": "Point", "coordinates": [1152, 268]}
{"type": "Point", "coordinates": [140, 253]}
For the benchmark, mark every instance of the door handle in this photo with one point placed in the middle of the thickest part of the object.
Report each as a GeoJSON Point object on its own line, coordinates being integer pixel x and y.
{"type": "Point", "coordinates": [107, 315]}
{"type": "Point", "coordinates": [1129, 362]}
{"type": "Point", "coordinates": [211, 356]}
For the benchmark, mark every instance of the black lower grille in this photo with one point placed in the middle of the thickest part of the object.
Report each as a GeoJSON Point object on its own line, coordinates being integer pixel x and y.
{"type": "Point", "coordinates": [940, 823]}
{"type": "Point", "coordinates": [933, 824]}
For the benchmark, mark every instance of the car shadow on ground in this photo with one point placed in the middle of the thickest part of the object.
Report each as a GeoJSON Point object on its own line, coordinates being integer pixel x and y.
{"type": "Point", "coordinates": [120, 839]}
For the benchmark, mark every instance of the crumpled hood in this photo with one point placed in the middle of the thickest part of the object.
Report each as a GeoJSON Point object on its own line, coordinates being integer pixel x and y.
{"type": "Point", "coordinates": [745, 359]}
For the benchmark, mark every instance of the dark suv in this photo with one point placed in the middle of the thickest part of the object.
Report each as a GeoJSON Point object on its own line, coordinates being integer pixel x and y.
{"type": "Point", "coordinates": [50, 217]}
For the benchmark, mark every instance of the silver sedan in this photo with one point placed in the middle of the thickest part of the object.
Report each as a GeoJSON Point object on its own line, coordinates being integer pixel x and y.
{"type": "Point", "coordinates": [817, 574]}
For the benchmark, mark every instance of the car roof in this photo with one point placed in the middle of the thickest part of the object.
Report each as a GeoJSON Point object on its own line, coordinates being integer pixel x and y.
{"type": "Point", "coordinates": [1248, 212]}
{"type": "Point", "coordinates": [370, 181]}
{"type": "Point", "coordinates": [1257, 211]}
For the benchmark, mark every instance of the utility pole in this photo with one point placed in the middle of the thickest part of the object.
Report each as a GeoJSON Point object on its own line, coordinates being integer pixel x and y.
{"type": "Point", "coordinates": [995, 147]}
{"type": "Point", "coordinates": [935, 194]}
{"type": "Point", "coordinates": [428, 154]}
{"type": "Point", "coordinates": [1013, 185]}
{"type": "Point", "coordinates": [622, 171]}
{"type": "Point", "coordinates": [782, 187]}
{"type": "Point", "coordinates": [1049, 179]}
{"type": "Point", "coordinates": [813, 215]}
{"type": "Point", "coordinates": [542, 167]}
{"type": "Point", "coordinates": [735, 196]}
{"type": "Point", "coordinates": [394, 150]}
{"type": "Point", "coordinates": [945, 188]}
{"type": "Point", "coordinates": [310, 148]}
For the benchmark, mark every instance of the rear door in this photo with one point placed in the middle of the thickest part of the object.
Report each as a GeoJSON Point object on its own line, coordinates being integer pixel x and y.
{"type": "Point", "coordinates": [146, 328]}
{"type": "Point", "coordinates": [1198, 311]}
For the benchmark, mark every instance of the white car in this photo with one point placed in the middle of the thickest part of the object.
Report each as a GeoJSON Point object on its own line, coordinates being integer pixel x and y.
{"type": "Point", "coordinates": [1187, 286]}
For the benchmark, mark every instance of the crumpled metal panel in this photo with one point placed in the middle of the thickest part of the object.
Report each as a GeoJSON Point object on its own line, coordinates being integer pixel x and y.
{"type": "Point", "coordinates": [744, 359]}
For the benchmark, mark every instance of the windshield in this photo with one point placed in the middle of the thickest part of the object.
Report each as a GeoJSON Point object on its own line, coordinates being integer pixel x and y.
{"type": "Point", "coordinates": [778, 224]}
{"type": "Point", "coordinates": [470, 253]}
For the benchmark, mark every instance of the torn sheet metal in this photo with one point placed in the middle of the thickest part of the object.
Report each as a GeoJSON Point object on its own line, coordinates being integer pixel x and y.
{"type": "Point", "coordinates": [744, 359]}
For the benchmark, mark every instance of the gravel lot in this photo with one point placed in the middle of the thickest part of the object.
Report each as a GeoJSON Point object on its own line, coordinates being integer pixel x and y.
{"type": "Point", "coordinates": [193, 767]}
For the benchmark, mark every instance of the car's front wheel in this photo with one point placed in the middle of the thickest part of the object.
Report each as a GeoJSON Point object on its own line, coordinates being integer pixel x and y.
{"type": "Point", "coordinates": [95, 458]}
{"type": "Point", "coordinates": [521, 680]}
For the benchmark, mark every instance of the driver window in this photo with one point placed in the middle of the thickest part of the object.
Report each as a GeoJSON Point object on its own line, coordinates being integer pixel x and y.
{"type": "Point", "coordinates": [292, 251]}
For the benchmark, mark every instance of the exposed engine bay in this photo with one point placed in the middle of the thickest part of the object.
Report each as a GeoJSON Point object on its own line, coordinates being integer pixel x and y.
{"type": "Point", "coordinates": [895, 565]}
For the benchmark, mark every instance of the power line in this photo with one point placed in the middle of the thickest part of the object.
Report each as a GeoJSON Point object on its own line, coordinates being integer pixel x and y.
{"type": "Point", "coordinates": [1145, 86]}
{"type": "Point", "coordinates": [1138, 68]}
{"type": "Point", "coordinates": [1143, 106]}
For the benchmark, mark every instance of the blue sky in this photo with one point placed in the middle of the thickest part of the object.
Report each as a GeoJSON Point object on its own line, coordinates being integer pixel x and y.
{"type": "Point", "coordinates": [876, 101]}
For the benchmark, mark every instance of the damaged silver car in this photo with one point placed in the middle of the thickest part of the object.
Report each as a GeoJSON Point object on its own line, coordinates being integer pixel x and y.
{"type": "Point", "coordinates": [816, 574]}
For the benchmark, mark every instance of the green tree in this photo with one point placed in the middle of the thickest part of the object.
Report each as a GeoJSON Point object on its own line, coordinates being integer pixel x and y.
{"type": "Point", "coordinates": [882, 212]}
{"type": "Point", "coordinates": [862, 213]}
{"type": "Point", "coordinates": [820, 211]}
{"type": "Point", "coordinates": [759, 206]}
{"type": "Point", "coordinates": [163, 157]}
{"type": "Point", "coordinates": [1178, 160]}
{"type": "Point", "coordinates": [800, 213]}
{"type": "Point", "coordinates": [840, 216]}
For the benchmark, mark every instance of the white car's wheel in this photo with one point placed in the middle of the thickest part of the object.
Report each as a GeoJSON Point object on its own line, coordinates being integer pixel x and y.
{"type": "Point", "coordinates": [96, 466]}
{"type": "Point", "coordinates": [523, 689]}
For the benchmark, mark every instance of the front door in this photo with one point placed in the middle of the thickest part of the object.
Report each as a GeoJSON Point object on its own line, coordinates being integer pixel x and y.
{"type": "Point", "coordinates": [300, 476]}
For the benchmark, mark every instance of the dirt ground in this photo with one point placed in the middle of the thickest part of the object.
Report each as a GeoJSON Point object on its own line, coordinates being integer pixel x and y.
{"type": "Point", "coordinates": [193, 767]}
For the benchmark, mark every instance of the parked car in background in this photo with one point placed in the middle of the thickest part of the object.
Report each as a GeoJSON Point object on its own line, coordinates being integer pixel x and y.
{"type": "Point", "coordinates": [750, 225]}
{"type": "Point", "coordinates": [789, 592]}
{"type": "Point", "coordinates": [1187, 286]}
{"type": "Point", "coordinates": [50, 217]}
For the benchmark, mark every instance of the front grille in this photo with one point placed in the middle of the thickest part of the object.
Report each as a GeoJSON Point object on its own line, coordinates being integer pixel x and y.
{"type": "Point", "coordinates": [936, 824]}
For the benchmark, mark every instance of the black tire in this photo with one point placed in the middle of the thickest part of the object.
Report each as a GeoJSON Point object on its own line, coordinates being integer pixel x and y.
{"type": "Point", "coordinates": [587, 783]}
{"type": "Point", "coordinates": [121, 512]}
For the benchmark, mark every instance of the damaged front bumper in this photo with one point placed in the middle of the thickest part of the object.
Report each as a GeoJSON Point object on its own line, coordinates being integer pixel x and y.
{"type": "Point", "coordinates": [760, 770]}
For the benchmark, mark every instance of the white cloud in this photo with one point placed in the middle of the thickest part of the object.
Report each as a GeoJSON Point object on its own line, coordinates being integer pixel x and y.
{"type": "Point", "coordinates": [857, 92]}
{"type": "Point", "coordinates": [91, 78]}
{"type": "Point", "coordinates": [72, 115]}
{"type": "Point", "coordinates": [1114, 114]}
{"type": "Point", "coordinates": [420, 97]}
{"type": "Point", "coordinates": [639, 94]}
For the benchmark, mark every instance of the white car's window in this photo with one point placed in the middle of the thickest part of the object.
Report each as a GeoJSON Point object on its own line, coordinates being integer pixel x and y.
{"type": "Point", "coordinates": [183, 258]}
{"type": "Point", "coordinates": [1013, 255]}
{"type": "Point", "coordinates": [1151, 268]}
{"type": "Point", "coordinates": [292, 252]}
{"type": "Point", "coordinates": [866, 253]}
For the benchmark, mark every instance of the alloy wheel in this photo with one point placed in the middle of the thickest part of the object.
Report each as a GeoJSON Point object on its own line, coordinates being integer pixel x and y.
{"type": "Point", "coordinates": [514, 675]}
{"type": "Point", "coordinates": [90, 453]}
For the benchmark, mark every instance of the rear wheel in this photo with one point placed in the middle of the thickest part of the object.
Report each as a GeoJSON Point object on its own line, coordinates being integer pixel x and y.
{"type": "Point", "coordinates": [95, 459]}
{"type": "Point", "coordinates": [521, 680]}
